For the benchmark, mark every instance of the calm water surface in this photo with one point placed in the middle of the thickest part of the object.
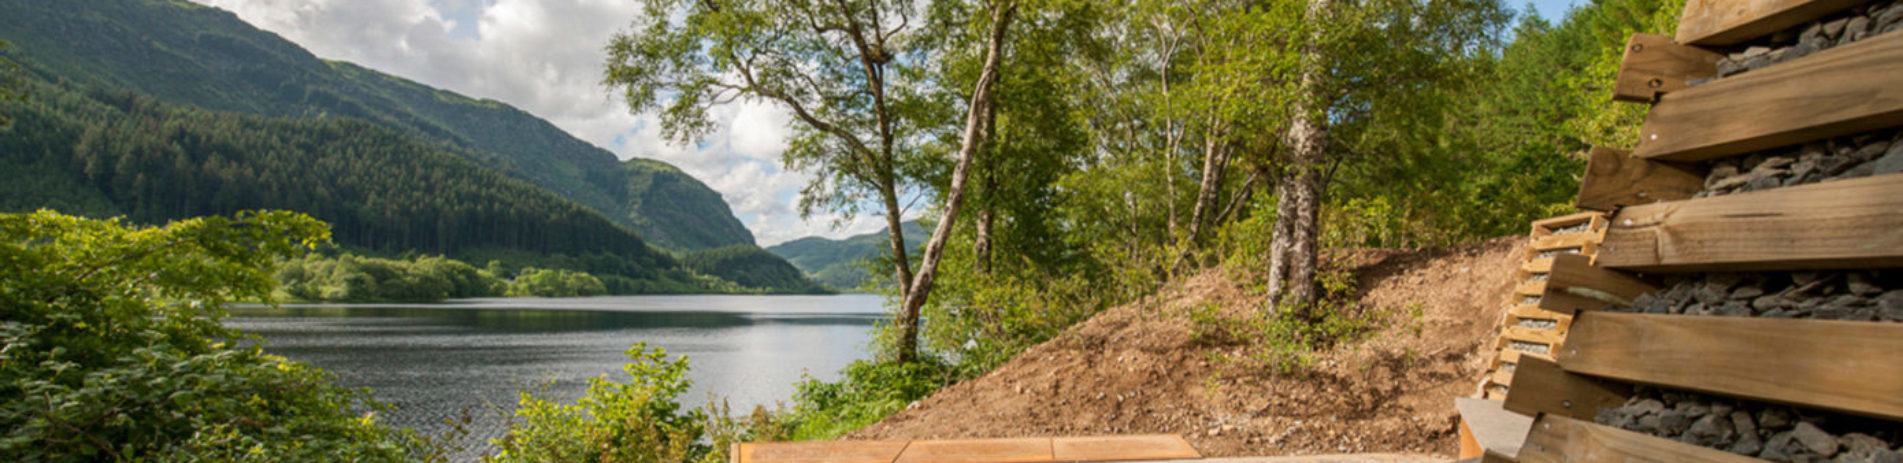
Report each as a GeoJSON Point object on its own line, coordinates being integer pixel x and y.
{"type": "Point", "coordinates": [433, 361]}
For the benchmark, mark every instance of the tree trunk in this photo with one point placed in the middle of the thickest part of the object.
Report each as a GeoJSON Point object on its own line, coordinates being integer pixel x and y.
{"type": "Point", "coordinates": [975, 135]}
{"type": "Point", "coordinates": [982, 246]}
{"type": "Point", "coordinates": [1293, 255]}
{"type": "Point", "coordinates": [1215, 165]}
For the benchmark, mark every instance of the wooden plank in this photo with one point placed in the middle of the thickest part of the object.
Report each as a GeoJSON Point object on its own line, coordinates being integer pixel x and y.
{"type": "Point", "coordinates": [1566, 241]}
{"type": "Point", "coordinates": [1542, 387]}
{"type": "Point", "coordinates": [1121, 448]}
{"type": "Point", "coordinates": [1562, 439]}
{"type": "Point", "coordinates": [1493, 429]}
{"type": "Point", "coordinates": [1535, 312]}
{"type": "Point", "coordinates": [1546, 226]}
{"type": "Point", "coordinates": [818, 452]}
{"type": "Point", "coordinates": [1841, 91]}
{"type": "Point", "coordinates": [1531, 288]}
{"type": "Point", "coordinates": [1838, 224]}
{"type": "Point", "coordinates": [1851, 367]}
{"type": "Point", "coordinates": [1539, 336]}
{"type": "Point", "coordinates": [1615, 179]}
{"type": "Point", "coordinates": [1576, 284]}
{"type": "Point", "coordinates": [1035, 449]}
{"type": "Point", "coordinates": [1653, 65]}
{"type": "Point", "coordinates": [1537, 265]}
{"type": "Point", "coordinates": [1514, 356]}
{"type": "Point", "coordinates": [1730, 22]}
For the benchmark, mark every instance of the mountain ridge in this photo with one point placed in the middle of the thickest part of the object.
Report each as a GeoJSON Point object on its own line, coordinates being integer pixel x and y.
{"type": "Point", "coordinates": [184, 53]}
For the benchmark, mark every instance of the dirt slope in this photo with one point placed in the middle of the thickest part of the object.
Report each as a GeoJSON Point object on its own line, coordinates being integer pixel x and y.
{"type": "Point", "coordinates": [1138, 368]}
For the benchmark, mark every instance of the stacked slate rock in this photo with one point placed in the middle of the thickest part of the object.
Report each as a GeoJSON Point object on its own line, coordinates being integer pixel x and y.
{"type": "Point", "coordinates": [1854, 295]}
{"type": "Point", "coordinates": [1771, 432]}
{"type": "Point", "coordinates": [1874, 153]}
{"type": "Point", "coordinates": [1804, 39]}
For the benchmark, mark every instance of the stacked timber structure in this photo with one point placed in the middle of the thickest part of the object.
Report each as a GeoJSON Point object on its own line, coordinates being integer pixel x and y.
{"type": "Point", "coordinates": [1736, 292]}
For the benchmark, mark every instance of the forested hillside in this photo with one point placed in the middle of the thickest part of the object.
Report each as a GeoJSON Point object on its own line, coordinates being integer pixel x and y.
{"type": "Point", "coordinates": [843, 264]}
{"type": "Point", "coordinates": [182, 53]}
{"type": "Point", "coordinates": [113, 152]}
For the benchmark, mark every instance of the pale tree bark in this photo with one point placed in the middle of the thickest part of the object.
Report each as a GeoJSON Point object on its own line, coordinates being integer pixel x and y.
{"type": "Point", "coordinates": [975, 134]}
{"type": "Point", "coordinates": [1294, 254]}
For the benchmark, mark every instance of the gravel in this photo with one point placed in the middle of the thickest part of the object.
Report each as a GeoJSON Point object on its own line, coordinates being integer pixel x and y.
{"type": "Point", "coordinates": [1768, 431]}
{"type": "Point", "coordinates": [1855, 295]}
{"type": "Point", "coordinates": [1862, 155]}
{"type": "Point", "coordinates": [1804, 39]}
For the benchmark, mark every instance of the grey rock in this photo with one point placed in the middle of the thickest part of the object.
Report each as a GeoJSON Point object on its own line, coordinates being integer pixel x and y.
{"type": "Point", "coordinates": [1747, 292]}
{"type": "Point", "coordinates": [1739, 309]}
{"type": "Point", "coordinates": [1835, 28]}
{"type": "Point", "coordinates": [1888, 164]}
{"type": "Point", "coordinates": [1777, 313]}
{"type": "Point", "coordinates": [1834, 165]}
{"type": "Point", "coordinates": [1742, 422]}
{"type": "Point", "coordinates": [1766, 182]}
{"type": "Point", "coordinates": [1755, 50]}
{"type": "Point", "coordinates": [1860, 284]}
{"type": "Point", "coordinates": [1779, 447]}
{"type": "Point", "coordinates": [1831, 313]}
{"type": "Point", "coordinates": [1862, 314]}
{"type": "Point", "coordinates": [1747, 445]}
{"type": "Point", "coordinates": [1674, 422]}
{"type": "Point", "coordinates": [1647, 423]}
{"type": "Point", "coordinates": [1815, 439]}
{"type": "Point", "coordinates": [1709, 431]}
{"type": "Point", "coordinates": [1804, 278]}
{"type": "Point", "coordinates": [1804, 167]}
{"type": "Point", "coordinates": [1764, 303]}
{"type": "Point", "coordinates": [1648, 407]}
{"type": "Point", "coordinates": [1848, 300]}
{"type": "Point", "coordinates": [1730, 182]}
{"type": "Point", "coordinates": [1889, 16]}
{"type": "Point", "coordinates": [1774, 418]}
{"type": "Point", "coordinates": [1711, 294]}
{"type": "Point", "coordinates": [1692, 409]}
{"type": "Point", "coordinates": [1862, 444]}
{"type": "Point", "coordinates": [1887, 456]}
{"type": "Point", "coordinates": [1861, 170]}
{"type": "Point", "coordinates": [1857, 29]}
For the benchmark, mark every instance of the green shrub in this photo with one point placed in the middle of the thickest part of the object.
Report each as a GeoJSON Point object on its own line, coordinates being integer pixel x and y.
{"type": "Point", "coordinates": [868, 392]}
{"type": "Point", "coordinates": [640, 420]}
{"type": "Point", "coordinates": [115, 349]}
{"type": "Point", "coordinates": [540, 282]}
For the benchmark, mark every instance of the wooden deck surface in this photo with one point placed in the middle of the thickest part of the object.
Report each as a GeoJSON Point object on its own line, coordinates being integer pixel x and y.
{"type": "Point", "coordinates": [1031, 449]}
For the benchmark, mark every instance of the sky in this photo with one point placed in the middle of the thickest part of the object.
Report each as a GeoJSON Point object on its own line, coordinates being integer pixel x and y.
{"type": "Point", "coordinates": [545, 57]}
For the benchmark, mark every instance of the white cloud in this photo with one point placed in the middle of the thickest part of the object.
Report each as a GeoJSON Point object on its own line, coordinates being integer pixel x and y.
{"type": "Point", "coordinates": [545, 56]}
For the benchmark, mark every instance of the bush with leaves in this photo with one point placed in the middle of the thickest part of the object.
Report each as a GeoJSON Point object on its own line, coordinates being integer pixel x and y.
{"type": "Point", "coordinates": [542, 282]}
{"type": "Point", "coordinates": [640, 420]}
{"type": "Point", "coordinates": [115, 349]}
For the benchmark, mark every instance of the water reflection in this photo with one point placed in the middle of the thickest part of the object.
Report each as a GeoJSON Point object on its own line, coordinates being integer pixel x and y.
{"type": "Point", "coordinates": [435, 360]}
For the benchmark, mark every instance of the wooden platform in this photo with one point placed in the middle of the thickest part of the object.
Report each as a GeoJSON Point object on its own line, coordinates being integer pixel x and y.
{"type": "Point", "coordinates": [1031, 449]}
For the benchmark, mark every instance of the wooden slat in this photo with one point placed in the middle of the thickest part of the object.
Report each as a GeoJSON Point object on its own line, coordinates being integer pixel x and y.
{"type": "Point", "coordinates": [1534, 311]}
{"type": "Point", "coordinates": [1514, 356]}
{"type": "Point", "coordinates": [1852, 367]}
{"type": "Point", "coordinates": [1615, 179]}
{"type": "Point", "coordinates": [1729, 22]}
{"type": "Point", "coordinates": [1841, 91]}
{"type": "Point", "coordinates": [1502, 376]}
{"type": "Point", "coordinates": [1521, 333]}
{"type": "Point", "coordinates": [1537, 266]}
{"type": "Point", "coordinates": [1544, 227]}
{"type": "Point", "coordinates": [1540, 386]}
{"type": "Point", "coordinates": [1566, 241]}
{"type": "Point", "coordinates": [1653, 65]}
{"type": "Point", "coordinates": [1119, 448]}
{"type": "Point", "coordinates": [1562, 439]}
{"type": "Point", "coordinates": [1531, 288]}
{"type": "Point", "coordinates": [1837, 224]}
{"type": "Point", "coordinates": [1576, 284]}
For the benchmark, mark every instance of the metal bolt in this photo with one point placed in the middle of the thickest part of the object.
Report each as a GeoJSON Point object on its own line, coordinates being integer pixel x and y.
{"type": "Point", "coordinates": [1655, 83]}
{"type": "Point", "coordinates": [1566, 403]}
{"type": "Point", "coordinates": [1638, 47]}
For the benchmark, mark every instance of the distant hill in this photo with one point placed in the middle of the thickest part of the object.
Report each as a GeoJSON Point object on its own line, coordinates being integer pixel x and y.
{"type": "Point", "coordinates": [841, 263]}
{"type": "Point", "coordinates": [111, 152]}
{"type": "Point", "coordinates": [184, 53]}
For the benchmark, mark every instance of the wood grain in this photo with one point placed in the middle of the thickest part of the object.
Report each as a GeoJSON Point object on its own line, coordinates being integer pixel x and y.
{"type": "Point", "coordinates": [1837, 224]}
{"type": "Point", "coordinates": [1850, 367]}
{"type": "Point", "coordinates": [1540, 386]}
{"type": "Point", "coordinates": [1562, 439]}
{"type": "Point", "coordinates": [1653, 65]}
{"type": "Point", "coordinates": [1841, 91]}
{"type": "Point", "coordinates": [1576, 284]}
{"type": "Point", "coordinates": [1729, 22]}
{"type": "Point", "coordinates": [1615, 179]}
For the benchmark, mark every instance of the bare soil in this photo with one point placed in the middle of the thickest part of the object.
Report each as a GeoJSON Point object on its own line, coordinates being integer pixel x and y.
{"type": "Point", "coordinates": [1141, 368]}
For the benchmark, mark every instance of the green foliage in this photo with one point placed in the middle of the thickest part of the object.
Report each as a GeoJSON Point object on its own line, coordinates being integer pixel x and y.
{"type": "Point", "coordinates": [540, 282]}
{"type": "Point", "coordinates": [867, 392]}
{"type": "Point", "coordinates": [640, 420]}
{"type": "Point", "coordinates": [353, 278]}
{"type": "Point", "coordinates": [115, 348]}
{"type": "Point", "coordinates": [1284, 342]}
{"type": "Point", "coordinates": [752, 268]}
{"type": "Point", "coordinates": [181, 53]}
{"type": "Point", "coordinates": [9, 81]}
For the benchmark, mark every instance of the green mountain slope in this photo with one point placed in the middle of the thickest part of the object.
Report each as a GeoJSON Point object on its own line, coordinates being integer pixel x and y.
{"type": "Point", "coordinates": [841, 263]}
{"type": "Point", "coordinates": [184, 53]}
{"type": "Point", "coordinates": [750, 266]}
{"type": "Point", "coordinates": [113, 152]}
